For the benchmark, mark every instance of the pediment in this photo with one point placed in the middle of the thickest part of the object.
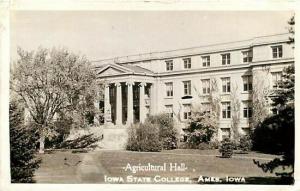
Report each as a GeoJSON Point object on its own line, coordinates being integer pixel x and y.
{"type": "Point", "coordinates": [111, 70]}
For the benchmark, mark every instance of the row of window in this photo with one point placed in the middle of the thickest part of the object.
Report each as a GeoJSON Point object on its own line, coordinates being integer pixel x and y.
{"type": "Point", "coordinates": [247, 57]}
{"type": "Point", "coordinates": [226, 85]}
{"type": "Point", "coordinates": [226, 110]}
{"type": "Point", "coordinates": [206, 86]}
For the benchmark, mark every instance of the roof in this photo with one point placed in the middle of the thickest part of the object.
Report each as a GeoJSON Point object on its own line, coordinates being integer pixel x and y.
{"type": "Point", "coordinates": [197, 50]}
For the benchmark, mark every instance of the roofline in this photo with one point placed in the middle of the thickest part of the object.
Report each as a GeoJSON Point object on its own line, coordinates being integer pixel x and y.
{"type": "Point", "coordinates": [251, 40]}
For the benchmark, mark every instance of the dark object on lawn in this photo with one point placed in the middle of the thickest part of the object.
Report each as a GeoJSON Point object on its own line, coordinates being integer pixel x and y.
{"type": "Point", "coordinates": [65, 163]}
{"type": "Point", "coordinates": [80, 151]}
{"type": "Point", "coordinates": [226, 148]}
{"type": "Point", "coordinates": [85, 141]}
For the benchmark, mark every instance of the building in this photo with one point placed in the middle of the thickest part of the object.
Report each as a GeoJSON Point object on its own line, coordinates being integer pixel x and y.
{"type": "Point", "coordinates": [175, 81]}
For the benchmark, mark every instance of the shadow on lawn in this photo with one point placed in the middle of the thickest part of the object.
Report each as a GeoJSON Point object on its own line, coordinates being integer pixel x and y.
{"type": "Point", "coordinates": [268, 180]}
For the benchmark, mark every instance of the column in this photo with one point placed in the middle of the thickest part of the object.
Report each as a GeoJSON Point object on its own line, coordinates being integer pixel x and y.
{"type": "Point", "coordinates": [129, 103]}
{"type": "Point", "coordinates": [142, 102]}
{"type": "Point", "coordinates": [96, 105]}
{"type": "Point", "coordinates": [119, 104]}
{"type": "Point", "coordinates": [107, 106]}
{"type": "Point", "coordinates": [152, 99]}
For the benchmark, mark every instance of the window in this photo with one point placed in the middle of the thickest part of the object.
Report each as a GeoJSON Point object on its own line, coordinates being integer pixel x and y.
{"type": "Point", "coordinates": [169, 89]}
{"type": "Point", "coordinates": [187, 63]}
{"type": "Point", "coordinates": [226, 113]}
{"type": "Point", "coordinates": [225, 133]}
{"type": "Point", "coordinates": [247, 56]}
{"type": "Point", "coordinates": [206, 107]}
{"type": "Point", "coordinates": [187, 88]}
{"type": "Point", "coordinates": [169, 65]}
{"type": "Point", "coordinates": [186, 111]}
{"type": "Point", "coordinates": [169, 110]}
{"type": "Point", "coordinates": [205, 61]}
{"type": "Point", "coordinates": [246, 130]}
{"type": "Point", "coordinates": [247, 81]}
{"type": "Point", "coordinates": [225, 85]}
{"type": "Point", "coordinates": [225, 59]}
{"type": "Point", "coordinates": [205, 86]}
{"type": "Point", "coordinates": [247, 109]}
{"type": "Point", "coordinates": [277, 51]}
{"type": "Point", "coordinates": [276, 76]}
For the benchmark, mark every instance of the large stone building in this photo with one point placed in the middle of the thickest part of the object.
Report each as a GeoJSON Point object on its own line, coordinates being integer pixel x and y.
{"type": "Point", "coordinates": [176, 81]}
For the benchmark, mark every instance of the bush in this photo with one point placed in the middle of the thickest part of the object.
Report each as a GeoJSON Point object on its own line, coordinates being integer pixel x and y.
{"type": "Point", "coordinates": [144, 137]}
{"type": "Point", "coordinates": [226, 148]}
{"type": "Point", "coordinates": [276, 134]}
{"type": "Point", "coordinates": [23, 143]}
{"type": "Point", "coordinates": [167, 132]}
{"type": "Point", "coordinates": [214, 144]}
{"type": "Point", "coordinates": [245, 143]}
{"type": "Point", "coordinates": [132, 142]}
{"type": "Point", "coordinates": [202, 127]}
{"type": "Point", "coordinates": [203, 146]}
{"type": "Point", "coordinates": [62, 129]}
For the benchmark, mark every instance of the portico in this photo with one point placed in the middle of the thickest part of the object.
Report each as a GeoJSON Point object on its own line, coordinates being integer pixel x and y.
{"type": "Point", "coordinates": [126, 102]}
{"type": "Point", "coordinates": [127, 94]}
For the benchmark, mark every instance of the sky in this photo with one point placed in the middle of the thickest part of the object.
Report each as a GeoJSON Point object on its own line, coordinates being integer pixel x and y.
{"type": "Point", "coordinates": [107, 34]}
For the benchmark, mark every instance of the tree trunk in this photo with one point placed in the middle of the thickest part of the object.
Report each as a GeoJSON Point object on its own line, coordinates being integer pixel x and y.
{"type": "Point", "coordinates": [42, 143]}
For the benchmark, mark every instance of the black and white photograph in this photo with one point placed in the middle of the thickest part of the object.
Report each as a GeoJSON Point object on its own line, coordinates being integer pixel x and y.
{"type": "Point", "coordinates": [152, 97]}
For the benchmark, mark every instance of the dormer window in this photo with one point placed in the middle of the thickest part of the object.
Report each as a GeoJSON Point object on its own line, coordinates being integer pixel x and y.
{"type": "Point", "coordinates": [187, 63]}
{"type": "Point", "coordinates": [277, 51]}
{"type": "Point", "coordinates": [225, 59]}
{"type": "Point", "coordinates": [247, 56]}
{"type": "Point", "coordinates": [205, 61]}
{"type": "Point", "coordinates": [169, 65]}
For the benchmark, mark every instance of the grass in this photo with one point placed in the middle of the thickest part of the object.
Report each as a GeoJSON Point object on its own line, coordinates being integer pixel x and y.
{"type": "Point", "coordinates": [68, 167]}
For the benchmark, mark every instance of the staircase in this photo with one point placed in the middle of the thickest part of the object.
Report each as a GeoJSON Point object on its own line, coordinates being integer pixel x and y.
{"type": "Point", "coordinates": [114, 137]}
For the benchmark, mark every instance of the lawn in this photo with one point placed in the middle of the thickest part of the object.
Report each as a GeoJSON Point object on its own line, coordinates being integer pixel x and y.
{"type": "Point", "coordinates": [105, 166]}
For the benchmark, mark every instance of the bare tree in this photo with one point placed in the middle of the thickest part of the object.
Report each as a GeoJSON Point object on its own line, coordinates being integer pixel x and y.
{"type": "Point", "coordinates": [51, 82]}
{"type": "Point", "coordinates": [235, 108]}
{"type": "Point", "coordinates": [260, 95]}
{"type": "Point", "coordinates": [214, 98]}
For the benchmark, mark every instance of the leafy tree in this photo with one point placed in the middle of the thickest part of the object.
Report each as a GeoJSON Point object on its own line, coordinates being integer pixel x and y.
{"type": "Point", "coordinates": [279, 137]}
{"type": "Point", "coordinates": [55, 83]}
{"type": "Point", "coordinates": [282, 125]}
{"type": "Point", "coordinates": [202, 126]}
{"type": "Point", "coordinates": [22, 147]}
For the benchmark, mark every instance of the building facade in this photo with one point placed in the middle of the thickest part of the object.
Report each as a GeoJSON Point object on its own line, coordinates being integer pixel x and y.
{"type": "Point", "coordinates": [177, 81]}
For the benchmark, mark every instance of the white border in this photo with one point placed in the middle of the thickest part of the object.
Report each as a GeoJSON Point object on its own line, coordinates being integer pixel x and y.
{"type": "Point", "coordinates": [6, 7]}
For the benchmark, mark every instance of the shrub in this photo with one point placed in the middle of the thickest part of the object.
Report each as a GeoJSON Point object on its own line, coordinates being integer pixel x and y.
{"type": "Point", "coordinates": [245, 143]}
{"type": "Point", "coordinates": [203, 146]}
{"type": "Point", "coordinates": [167, 132]}
{"type": "Point", "coordinates": [144, 137]}
{"type": "Point", "coordinates": [23, 143]}
{"type": "Point", "coordinates": [132, 142]}
{"type": "Point", "coordinates": [226, 148]}
{"type": "Point", "coordinates": [62, 129]}
{"type": "Point", "coordinates": [214, 144]}
{"type": "Point", "coordinates": [276, 134]}
{"type": "Point", "coordinates": [202, 127]}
